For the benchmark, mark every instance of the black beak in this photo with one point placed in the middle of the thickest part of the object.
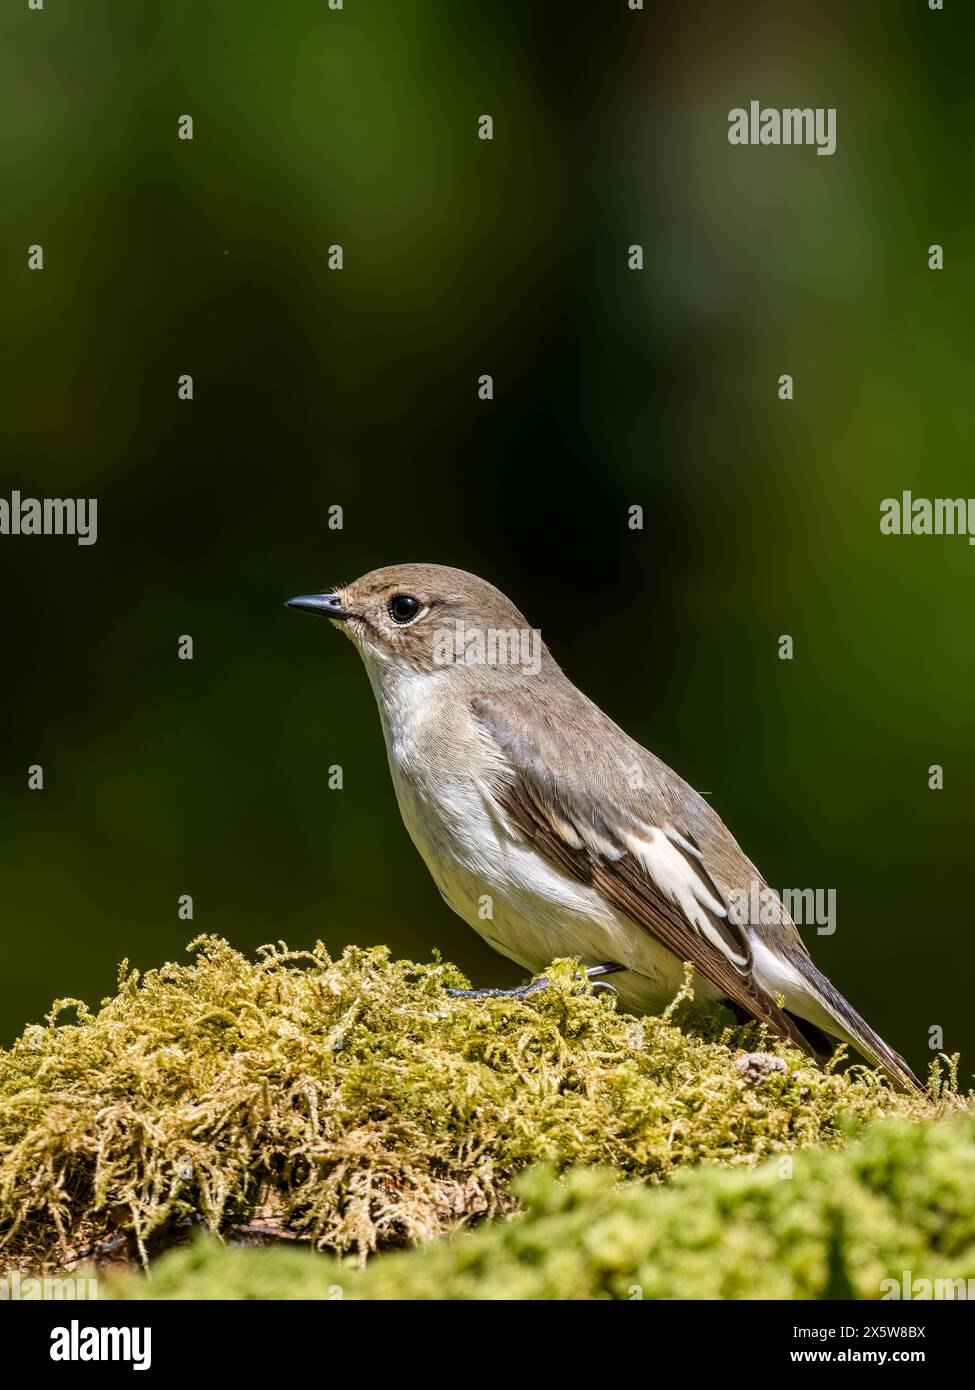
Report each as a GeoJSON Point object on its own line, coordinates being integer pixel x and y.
{"type": "Point", "coordinates": [326, 604]}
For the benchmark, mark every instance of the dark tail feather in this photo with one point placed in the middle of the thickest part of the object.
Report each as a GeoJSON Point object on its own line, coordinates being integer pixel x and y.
{"type": "Point", "coordinates": [851, 1027]}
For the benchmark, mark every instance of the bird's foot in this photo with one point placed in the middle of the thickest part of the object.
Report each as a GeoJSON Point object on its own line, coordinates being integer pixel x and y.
{"type": "Point", "coordinates": [519, 993]}
{"type": "Point", "coordinates": [593, 972]}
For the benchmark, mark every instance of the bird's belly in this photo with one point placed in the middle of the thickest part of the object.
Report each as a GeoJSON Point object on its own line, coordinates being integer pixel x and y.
{"type": "Point", "coordinates": [525, 907]}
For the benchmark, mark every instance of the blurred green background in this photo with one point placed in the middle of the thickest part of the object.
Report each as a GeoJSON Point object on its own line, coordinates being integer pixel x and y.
{"type": "Point", "coordinates": [358, 388]}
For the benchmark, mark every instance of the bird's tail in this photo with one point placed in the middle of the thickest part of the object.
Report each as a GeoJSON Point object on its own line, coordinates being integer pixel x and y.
{"type": "Point", "coordinates": [852, 1028]}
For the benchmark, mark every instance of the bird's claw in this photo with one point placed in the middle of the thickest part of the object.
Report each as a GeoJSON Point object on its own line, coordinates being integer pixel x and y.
{"type": "Point", "coordinates": [592, 973]}
{"type": "Point", "coordinates": [604, 984]}
{"type": "Point", "coordinates": [519, 993]}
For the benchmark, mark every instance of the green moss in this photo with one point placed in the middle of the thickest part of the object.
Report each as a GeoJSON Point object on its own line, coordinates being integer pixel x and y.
{"type": "Point", "coordinates": [352, 1104]}
{"type": "Point", "coordinates": [902, 1200]}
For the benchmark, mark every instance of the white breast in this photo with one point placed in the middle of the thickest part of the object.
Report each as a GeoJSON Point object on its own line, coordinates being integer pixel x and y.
{"type": "Point", "coordinates": [442, 765]}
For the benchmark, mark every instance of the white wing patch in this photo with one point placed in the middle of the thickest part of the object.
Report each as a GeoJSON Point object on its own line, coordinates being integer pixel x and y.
{"type": "Point", "coordinates": [664, 855]}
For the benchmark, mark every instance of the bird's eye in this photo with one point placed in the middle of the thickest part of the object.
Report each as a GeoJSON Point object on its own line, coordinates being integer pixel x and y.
{"type": "Point", "coordinates": [404, 608]}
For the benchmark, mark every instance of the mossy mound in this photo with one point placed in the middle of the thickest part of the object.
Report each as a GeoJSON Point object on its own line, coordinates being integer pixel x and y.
{"type": "Point", "coordinates": [354, 1105]}
{"type": "Point", "coordinates": [836, 1225]}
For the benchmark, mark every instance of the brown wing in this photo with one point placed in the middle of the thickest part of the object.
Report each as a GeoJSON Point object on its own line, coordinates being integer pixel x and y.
{"type": "Point", "coordinates": [652, 872]}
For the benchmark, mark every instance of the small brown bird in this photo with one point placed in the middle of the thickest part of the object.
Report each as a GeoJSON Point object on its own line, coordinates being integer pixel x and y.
{"type": "Point", "coordinates": [552, 833]}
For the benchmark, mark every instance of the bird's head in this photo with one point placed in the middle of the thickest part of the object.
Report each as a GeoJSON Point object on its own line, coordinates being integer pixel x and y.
{"type": "Point", "coordinates": [430, 618]}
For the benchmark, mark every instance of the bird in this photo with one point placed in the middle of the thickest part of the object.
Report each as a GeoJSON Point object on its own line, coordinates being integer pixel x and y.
{"type": "Point", "coordinates": [554, 834]}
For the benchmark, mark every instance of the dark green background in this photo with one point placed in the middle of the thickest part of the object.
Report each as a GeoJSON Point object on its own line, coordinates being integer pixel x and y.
{"type": "Point", "coordinates": [358, 388]}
